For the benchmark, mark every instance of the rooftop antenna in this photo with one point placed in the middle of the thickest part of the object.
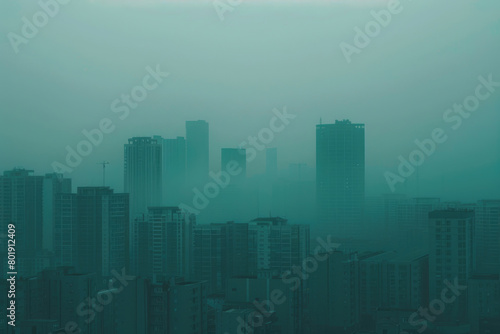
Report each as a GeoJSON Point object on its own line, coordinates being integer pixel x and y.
{"type": "Point", "coordinates": [104, 163]}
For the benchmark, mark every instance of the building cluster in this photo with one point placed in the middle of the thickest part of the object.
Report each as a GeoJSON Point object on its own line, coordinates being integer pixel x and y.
{"type": "Point", "coordinates": [157, 259]}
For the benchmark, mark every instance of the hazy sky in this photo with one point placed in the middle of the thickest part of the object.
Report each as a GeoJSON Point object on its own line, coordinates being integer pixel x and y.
{"type": "Point", "coordinates": [232, 73]}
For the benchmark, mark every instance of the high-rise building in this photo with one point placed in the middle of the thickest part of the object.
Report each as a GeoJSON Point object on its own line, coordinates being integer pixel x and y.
{"type": "Point", "coordinates": [237, 157]}
{"type": "Point", "coordinates": [273, 300]}
{"type": "Point", "coordinates": [143, 174]}
{"type": "Point", "coordinates": [197, 151]}
{"type": "Point", "coordinates": [393, 280]}
{"type": "Point", "coordinates": [163, 243]}
{"type": "Point", "coordinates": [173, 169]}
{"type": "Point", "coordinates": [451, 260]}
{"type": "Point", "coordinates": [27, 202]}
{"type": "Point", "coordinates": [413, 221]}
{"type": "Point", "coordinates": [91, 230]}
{"type": "Point", "coordinates": [340, 177]}
{"type": "Point", "coordinates": [176, 306]}
{"type": "Point", "coordinates": [65, 233]}
{"type": "Point", "coordinates": [487, 237]}
{"type": "Point", "coordinates": [276, 246]}
{"type": "Point", "coordinates": [484, 302]}
{"type": "Point", "coordinates": [220, 252]}
{"type": "Point", "coordinates": [21, 197]}
{"type": "Point", "coordinates": [60, 295]}
{"type": "Point", "coordinates": [333, 299]}
{"type": "Point", "coordinates": [53, 185]}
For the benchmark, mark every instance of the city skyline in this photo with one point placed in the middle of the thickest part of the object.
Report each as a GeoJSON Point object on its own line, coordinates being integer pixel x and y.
{"type": "Point", "coordinates": [250, 167]}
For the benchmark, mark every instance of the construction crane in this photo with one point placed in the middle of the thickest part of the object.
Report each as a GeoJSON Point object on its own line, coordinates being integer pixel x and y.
{"type": "Point", "coordinates": [104, 163]}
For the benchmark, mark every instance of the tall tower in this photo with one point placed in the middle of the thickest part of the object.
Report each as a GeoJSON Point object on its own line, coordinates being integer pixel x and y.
{"type": "Point", "coordinates": [173, 169]}
{"type": "Point", "coordinates": [197, 148]}
{"type": "Point", "coordinates": [143, 174]}
{"type": "Point", "coordinates": [27, 202]}
{"type": "Point", "coordinates": [102, 230]}
{"type": "Point", "coordinates": [340, 177]}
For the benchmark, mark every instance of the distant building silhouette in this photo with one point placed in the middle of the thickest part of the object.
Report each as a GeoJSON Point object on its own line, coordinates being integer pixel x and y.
{"type": "Point", "coordinates": [340, 177]}
{"type": "Point", "coordinates": [143, 173]}
{"type": "Point", "coordinates": [173, 169]}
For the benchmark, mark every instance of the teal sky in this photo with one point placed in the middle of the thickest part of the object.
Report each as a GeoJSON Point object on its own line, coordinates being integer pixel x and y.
{"type": "Point", "coordinates": [232, 73]}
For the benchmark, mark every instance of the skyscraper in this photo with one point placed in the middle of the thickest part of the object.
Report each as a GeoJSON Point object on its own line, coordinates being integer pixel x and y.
{"type": "Point", "coordinates": [53, 185]}
{"type": "Point", "coordinates": [197, 151]}
{"type": "Point", "coordinates": [21, 198]}
{"type": "Point", "coordinates": [143, 174]}
{"type": "Point", "coordinates": [27, 202]}
{"type": "Point", "coordinates": [102, 230]}
{"type": "Point", "coordinates": [174, 170]}
{"type": "Point", "coordinates": [340, 177]}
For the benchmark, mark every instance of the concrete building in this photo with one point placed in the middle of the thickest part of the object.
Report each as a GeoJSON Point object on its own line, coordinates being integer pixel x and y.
{"type": "Point", "coordinates": [451, 259]}
{"type": "Point", "coordinates": [176, 306]}
{"type": "Point", "coordinates": [484, 302]}
{"type": "Point", "coordinates": [92, 230]}
{"type": "Point", "coordinates": [143, 174]}
{"type": "Point", "coordinates": [274, 245]}
{"type": "Point", "coordinates": [173, 169]}
{"type": "Point", "coordinates": [60, 297]}
{"type": "Point", "coordinates": [27, 202]}
{"type": "Point", "coordinates": [340, 177]}
{"type": "Point", "coordinates": [272, 298]}
{"type": "Point", "coordinates": [163, 243]}
{"type": "Point", "coordinates": [220, 252]}
{"type": "Point", "coordinates": [333, 298]}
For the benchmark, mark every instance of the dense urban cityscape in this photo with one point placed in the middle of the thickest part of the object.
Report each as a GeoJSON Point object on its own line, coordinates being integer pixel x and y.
{"type": "Point", "coordinates": [249, 167]}
{"type": "Point", "coordinates": [97, 261]}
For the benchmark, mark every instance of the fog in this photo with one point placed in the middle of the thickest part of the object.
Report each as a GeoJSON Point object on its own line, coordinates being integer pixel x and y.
{"type": "Point", "coordinates": [233, 73]}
